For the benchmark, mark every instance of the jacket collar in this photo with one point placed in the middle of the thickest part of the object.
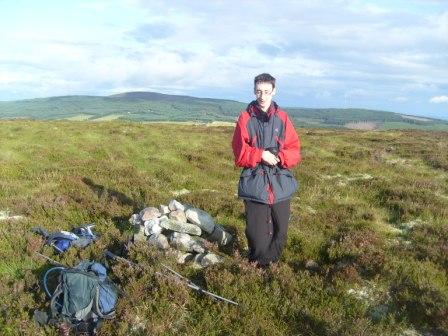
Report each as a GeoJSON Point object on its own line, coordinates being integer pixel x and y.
{"type": "Point", "coordinates": [254, 110]}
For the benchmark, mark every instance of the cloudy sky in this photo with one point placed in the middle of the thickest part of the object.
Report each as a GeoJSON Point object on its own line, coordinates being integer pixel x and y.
{"type": "Point", "coordinates": [381, 54]}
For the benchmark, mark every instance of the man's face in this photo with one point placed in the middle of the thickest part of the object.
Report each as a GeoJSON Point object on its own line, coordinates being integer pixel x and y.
{"type": "Point", "coordinates": [264, 93]}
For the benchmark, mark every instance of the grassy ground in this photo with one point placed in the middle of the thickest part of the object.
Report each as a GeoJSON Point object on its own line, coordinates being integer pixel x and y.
{"type": "Point", "coordinates": [371, 211]}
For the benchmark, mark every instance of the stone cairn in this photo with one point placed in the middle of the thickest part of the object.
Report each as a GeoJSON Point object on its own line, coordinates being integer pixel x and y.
{"type": "Point", "coordinates": [182, 229]}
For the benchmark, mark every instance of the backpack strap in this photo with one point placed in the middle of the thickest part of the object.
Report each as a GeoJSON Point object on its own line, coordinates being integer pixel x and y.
{"type": "Point", "coordinates": [45, 279]}
{"type": "Point", "coordinates": [55, 306]}
{"type": "Point", "coordinates": [106, 298]}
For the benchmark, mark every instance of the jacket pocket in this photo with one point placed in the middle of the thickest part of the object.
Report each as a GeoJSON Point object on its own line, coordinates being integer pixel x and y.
{"type": "Point", "coordinates": [253, 185]}
{"type": "Point", "coordinates": [284, 184]}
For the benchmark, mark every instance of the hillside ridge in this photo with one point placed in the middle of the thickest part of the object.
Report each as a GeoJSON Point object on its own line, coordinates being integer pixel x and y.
{"type": "Point", "coordinates": [155, 106]}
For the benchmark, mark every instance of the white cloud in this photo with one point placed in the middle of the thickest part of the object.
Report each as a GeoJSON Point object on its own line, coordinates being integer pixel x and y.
{"type": "Point", "coordinates": [439, 99]}
{"type": "Point", "coordinates": [8, 77]}
{"type": "Point", "coordinates": [365, 50]}
{"type": "Point", "coordinates": [440, 23]}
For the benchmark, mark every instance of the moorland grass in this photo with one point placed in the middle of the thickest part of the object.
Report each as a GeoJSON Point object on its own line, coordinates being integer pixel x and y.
{"type": "Point", "coordinates": [371, 211]}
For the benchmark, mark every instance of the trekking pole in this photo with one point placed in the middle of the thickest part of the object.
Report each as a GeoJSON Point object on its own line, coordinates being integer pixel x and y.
{"type": "Point", "coordinates": [192, 285]}
{"type": "Point", "coordinates": [180, 277]}
{"type": "Point", "coordinates": [58, 268]}
{"type": "Point", "coordinates": [118, 258]}
{"type": "Point", "coordinates": [54, 262]}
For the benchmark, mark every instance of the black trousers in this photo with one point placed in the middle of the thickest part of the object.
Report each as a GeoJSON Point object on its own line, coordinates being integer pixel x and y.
{"type": "Point", "coordinates": [266, 230]}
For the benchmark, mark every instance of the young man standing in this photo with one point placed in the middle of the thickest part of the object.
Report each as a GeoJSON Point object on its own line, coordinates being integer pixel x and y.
{"type": "Point", "coordinates": [266, 145]}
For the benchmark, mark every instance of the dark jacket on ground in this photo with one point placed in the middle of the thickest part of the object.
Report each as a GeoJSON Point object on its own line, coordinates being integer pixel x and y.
{"type": "Point", "coordinates": [256, 131]}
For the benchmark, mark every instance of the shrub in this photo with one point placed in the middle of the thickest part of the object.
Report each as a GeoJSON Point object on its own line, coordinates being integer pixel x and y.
{"type": "Point", "coordinates": [361, 250]}
{"type": "Point", "coordinates": [430, 242]}
{"type": "Point", "coordinates": [406, 201]}
{"type": "Point", "coordinates": [419, 292]}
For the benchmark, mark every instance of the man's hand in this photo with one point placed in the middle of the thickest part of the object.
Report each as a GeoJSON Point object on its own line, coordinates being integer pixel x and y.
{"type": "Point", "coordinates": [269, 158]}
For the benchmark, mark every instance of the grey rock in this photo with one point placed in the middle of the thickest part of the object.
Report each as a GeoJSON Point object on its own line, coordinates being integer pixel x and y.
{"type": "Point", "coordinates": [210, 259]}
{"type": "Point", "coordinates": [175, 205]}
{"type": "Point", "coordinates": [202, 260]}
{"type": "Point", "coordinates": [313, 266]}
{"type": "Point", "coordinates": [178, 215]}
{"type": "Point", "coordinates": [201, 219]}
{"type": "Point", "coordinates": [140, 229]}
{"type": "Point", "coordinates": [164, 209]}
{"type": "Point", "coordinates": [149, 224]}
{"type": "Point", "coordinates": [197, 260]}
{"type": "Point", "coordinates": [187, 206]}
{"type": "Point", "coordinates": [135, 220]}
{"type": "Point", "coordinates": [149, 213]}
{"type": "Point", "coordinates": [187, 243]}
{"type": "Point", "coordinates": [183, 258]}
{"type": "Point", "coordinates": [220, 236]}
{"type": "Point", "coordinates": [156, 229]}
{"type": "Point", "coordinates": [140, 236]}
{"type": "Point", "coordinates": [159, 240]}
{"type": "Point", "coordinates": [177, 226]}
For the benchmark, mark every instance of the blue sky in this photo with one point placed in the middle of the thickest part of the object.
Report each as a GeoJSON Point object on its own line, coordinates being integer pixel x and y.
{"type": "Point", "coordinates": [388, 55]}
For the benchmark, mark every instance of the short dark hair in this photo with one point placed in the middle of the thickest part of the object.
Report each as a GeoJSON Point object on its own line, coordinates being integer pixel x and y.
{"type": "Point", "coordinates": [264, 78]}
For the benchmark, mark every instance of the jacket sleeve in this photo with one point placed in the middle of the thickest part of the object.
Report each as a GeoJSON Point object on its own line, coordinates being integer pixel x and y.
{"type": "Point", "coordinates": [246, 155]}
{"type": "Point", "coordinates": [289, 153]}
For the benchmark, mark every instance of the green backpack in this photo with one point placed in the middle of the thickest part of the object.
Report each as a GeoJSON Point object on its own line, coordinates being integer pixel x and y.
{"type": "Point", "coordinates": [83, 296]}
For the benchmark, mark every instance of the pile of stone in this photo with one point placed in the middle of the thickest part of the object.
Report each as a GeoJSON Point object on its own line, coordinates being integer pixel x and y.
{"type": "Point", "coordinates": [181, 228]}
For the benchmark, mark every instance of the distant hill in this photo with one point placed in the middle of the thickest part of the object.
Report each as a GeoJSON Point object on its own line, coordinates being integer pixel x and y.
{"type": "Point", "coordinates": [153, 106]}
{"type": "Point", "coordinates": [139, 95]}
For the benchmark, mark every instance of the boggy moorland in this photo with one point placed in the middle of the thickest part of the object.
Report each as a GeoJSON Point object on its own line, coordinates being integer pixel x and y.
{"type": "Point", "coordinates": [371, 212]}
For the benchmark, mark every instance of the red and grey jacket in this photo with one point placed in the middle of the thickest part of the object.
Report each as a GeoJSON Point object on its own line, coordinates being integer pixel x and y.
{"type": "Point", "coordinates": [256, 131]}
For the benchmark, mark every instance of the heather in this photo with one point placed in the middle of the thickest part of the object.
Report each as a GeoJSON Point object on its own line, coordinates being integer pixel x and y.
{"type": "Point", "coordinates": [371, 212]}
